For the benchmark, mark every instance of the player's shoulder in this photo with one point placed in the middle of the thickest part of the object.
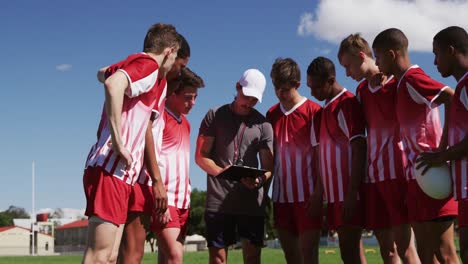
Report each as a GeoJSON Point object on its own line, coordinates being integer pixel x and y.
{"type": "Point", "coordinates": [311, 104]}
{"type": "Point", "coordinates": [348, 100]}
{"type": "Point", "coordinates": [463, 81]}
{"type": "Point", "coordinates": [362, 85]}
{"type": "Point", "coordinates": [274, 108]}
{"type": "Point", "coordinates": [414, 74]}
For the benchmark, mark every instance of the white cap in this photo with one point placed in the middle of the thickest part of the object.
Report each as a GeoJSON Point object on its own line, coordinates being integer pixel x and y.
{"type": "Point", "coordinates": [253, 83]}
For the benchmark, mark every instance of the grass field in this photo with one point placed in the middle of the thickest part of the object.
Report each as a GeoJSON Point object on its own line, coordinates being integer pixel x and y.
{"type": "Point", "coordinates": [328, 255]}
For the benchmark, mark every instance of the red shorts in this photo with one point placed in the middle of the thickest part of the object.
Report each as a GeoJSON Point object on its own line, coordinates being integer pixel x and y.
{"type": "Point", "coordinates": [385, 204]}
{"type": "Point", "coordinates": [141, 199]}
{"type": "Point", "coordinates": [179, 220]}
{"type": "Point", "coordinates": [335, 216]}
{"type": "Point", "coordinates": [422, 208]}
{"type": "Point", "coordinates": [294, 217]}
{"type": "Point", "coordinates": [463, 213]}
{"type": "Point", "coordinates": [106, 196]}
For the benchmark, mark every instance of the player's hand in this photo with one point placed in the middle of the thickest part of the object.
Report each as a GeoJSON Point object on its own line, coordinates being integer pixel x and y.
{"type": "Point", "coordinates": [259, 181]}
{"type": "Point", "coordinates": [378, 79]}
{"type": "Point", "coordinates": [249, 182]}
{"type": "Point", "coordinates": [160, 197]}
{"type": "Point", "coordinates": [314, 205]}
{"type": "Point", "coordinates": [426, 160]}
{"type": "Point", "coordinates": [349, 206]}
{"type": "Point", "coordinates": [164, 218]}
{"type": "Point", "coordinates": [124, 154]}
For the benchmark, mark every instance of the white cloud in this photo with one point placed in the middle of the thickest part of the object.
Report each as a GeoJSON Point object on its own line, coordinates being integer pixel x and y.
{"type": "Point", "coordinates": [420, 20]}
{"type": "Point", "coordinates": [63, 67]}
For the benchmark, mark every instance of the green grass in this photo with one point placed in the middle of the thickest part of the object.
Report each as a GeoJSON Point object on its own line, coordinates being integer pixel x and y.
{"type": "Point", "coordinates": [270, 256]}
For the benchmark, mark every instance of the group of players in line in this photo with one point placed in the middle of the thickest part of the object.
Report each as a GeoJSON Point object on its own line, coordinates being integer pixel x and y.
{"type": "Point", "coordinates": [356, 153]}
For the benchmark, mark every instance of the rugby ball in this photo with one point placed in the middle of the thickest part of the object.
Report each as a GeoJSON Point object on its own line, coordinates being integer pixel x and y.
{"type": "Point", "coordinates": [436, 182]}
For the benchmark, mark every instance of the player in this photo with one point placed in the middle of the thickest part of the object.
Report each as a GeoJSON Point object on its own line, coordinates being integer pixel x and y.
{"type": "Point", "coordinates": [171, 227]}
{"type": "Point", "coordinates": [113, 163]}
{"type": "Point", "coordinates": [450, 48]}
{"type": "Point", "coordinates": [417, 99]}
{"type": "Point", "coordinates": [149, 193]}
{"type": "Point", "coordinates": [386, 184]}
{"type": "Point", "coordinates": [342, 156]}
{"type": "Point", "coordinates": [295, 172]}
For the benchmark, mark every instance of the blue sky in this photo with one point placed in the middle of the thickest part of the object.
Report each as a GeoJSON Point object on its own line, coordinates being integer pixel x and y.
{"type": "Point", "coordinates": [50, 51]}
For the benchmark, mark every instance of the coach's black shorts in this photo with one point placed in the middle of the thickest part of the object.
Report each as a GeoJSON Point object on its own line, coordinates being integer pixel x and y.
{"type": "Point", "coordinates": [224, 229]}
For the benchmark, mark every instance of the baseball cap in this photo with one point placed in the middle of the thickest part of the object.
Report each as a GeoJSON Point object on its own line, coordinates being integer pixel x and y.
{"type": "Point", "coordinates": [253, 83]}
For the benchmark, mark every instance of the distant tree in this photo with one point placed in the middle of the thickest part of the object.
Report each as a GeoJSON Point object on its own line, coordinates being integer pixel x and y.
{"type": "Point", "coordinates": [270, 232]}
{"type": "Point", "coordinates": [17, 212]}
{"type": "Point", "coordinates": [196, 222]}
{"type": "Point", "coordinates": [58, 213]}
{"type": "Point", "coordinates": [7, 216]}
{"type": "Point", "coordinates": [5, 219]}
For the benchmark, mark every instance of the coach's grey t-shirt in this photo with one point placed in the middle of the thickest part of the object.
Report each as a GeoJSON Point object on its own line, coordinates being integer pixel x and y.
{"type": "Point", "coordinates": [250, 133]}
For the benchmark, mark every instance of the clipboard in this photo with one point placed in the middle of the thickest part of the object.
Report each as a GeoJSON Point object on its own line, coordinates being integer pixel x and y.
{"type": "Point", "coordinates": [236, 172]}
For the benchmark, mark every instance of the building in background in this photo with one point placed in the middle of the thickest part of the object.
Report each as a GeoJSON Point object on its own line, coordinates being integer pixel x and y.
{"type": "Point", "coordinates": [15, 240]}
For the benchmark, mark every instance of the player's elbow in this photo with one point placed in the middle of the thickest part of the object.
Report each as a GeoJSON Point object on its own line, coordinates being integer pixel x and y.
{"type": "Point", "coordinates": [199, 159]}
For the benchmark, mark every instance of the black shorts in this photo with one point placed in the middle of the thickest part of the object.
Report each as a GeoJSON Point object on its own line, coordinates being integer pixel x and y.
{"type": "Point", "coordinates": [224, 230]}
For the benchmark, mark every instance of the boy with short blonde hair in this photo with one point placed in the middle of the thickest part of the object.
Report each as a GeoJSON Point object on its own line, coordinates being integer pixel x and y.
{"type": "Point", "coordinates": [385, 182]}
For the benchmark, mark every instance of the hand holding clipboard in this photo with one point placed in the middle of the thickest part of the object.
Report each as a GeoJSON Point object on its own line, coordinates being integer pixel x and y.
{"type": "Point", "coordinates": [236, 172]}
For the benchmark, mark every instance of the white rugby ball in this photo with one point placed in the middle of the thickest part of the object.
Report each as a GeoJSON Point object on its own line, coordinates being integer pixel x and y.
{"type": "Point", "coordinates": [436, 182]}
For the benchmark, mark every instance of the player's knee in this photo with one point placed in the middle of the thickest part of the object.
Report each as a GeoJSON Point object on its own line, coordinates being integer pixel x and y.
{"type": "Point", "coordinates": [103, 258]}
{"type": "Point", "coordinates": [216, 258]}
{"type": "Point", "coordinates": [175, 256]}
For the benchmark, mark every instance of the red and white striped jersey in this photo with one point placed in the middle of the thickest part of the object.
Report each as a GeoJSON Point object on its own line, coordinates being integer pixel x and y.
{"type": "Point", "coordinates": [457, 131]}
{"type": "Point", "coordinates": [157, 130]}
{"type": "Point", "coordinates": [144, 87]}
{"type": "Point", "coordinates": [294, 140]}
{"type": "Point", "coordinates": [384, 148]}
{"type": "Point", "coordinates": [342, 120]}
{"type": "Point", "coordinates": [418, 115]}
{"type": "Point", "coordinates": [174, 160]}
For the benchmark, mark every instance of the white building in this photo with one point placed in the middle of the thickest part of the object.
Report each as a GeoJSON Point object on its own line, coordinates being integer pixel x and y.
{"type": "Point", "coordinates": [15, 240]}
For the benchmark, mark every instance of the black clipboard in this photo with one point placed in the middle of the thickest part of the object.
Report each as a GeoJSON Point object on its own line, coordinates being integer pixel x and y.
{"type": "Point", "coordinates": [236, 172]}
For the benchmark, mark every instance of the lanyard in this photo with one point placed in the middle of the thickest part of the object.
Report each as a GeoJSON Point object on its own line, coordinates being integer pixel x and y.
{"type": "Point", "coordinates": [237, 145]}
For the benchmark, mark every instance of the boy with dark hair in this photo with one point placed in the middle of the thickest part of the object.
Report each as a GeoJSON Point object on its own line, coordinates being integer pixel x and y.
{"type": "Point", "coordinates": [450, 47]}
{"type": "Point", "coordinates": [171, 227]}
{"type": "Point", "coordinates": [296, 172]}
{"type": "Point", "coordinates": [132, 88]}
{"type": "Point", "coordinates": [385, 182]}
{"type": "Point", "coordinates": [418, 97]}
{"type": "Point", "coordinates": [342, 153]}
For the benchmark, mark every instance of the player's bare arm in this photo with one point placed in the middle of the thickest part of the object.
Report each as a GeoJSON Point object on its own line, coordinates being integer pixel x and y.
{"type": "Point", "coordinates": [429, 159]}
{"type": "Point", "coordinates": [115, 87]}
{"type": "Point", "coordinates": [202, 155]}
{"type": "Point", "coordinates": [266, 163]}
{"type": "Point", "coordinates": [315, 202]}
{"type": "Point", "coordinates": [445, 98]}
{"type": "Point", "coordinates": [455, 152]}
{"type": "Point", "coordinates": [159, 191]}
{"type": "Point", "coordinates": [358, 150]}
{"type": "Point", "coordinates": [101, 74]}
